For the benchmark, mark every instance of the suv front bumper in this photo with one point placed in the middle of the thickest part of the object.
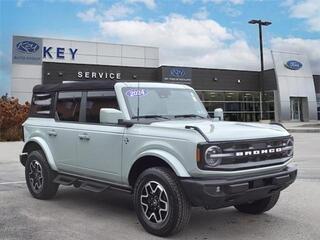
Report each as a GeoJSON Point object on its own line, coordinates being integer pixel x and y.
{"type": "Point", "coordinates": [219, 193]}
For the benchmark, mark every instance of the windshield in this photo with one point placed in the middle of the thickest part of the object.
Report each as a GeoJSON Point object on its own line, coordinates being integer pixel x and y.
{"type": "Point", "coordinates": [164, 103]}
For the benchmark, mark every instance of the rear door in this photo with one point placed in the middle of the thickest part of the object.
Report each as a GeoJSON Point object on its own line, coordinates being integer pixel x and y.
{"type": "Point", "coordinates": [99, 146]}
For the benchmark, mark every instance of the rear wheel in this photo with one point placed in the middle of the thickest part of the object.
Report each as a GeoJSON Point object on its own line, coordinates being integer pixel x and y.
{"type": "Point", "coordinates": [39, 176]}
{"type": "Point", "coordinates": [259, 206]}
{"type": "Point", "coordinates": [161, 206]}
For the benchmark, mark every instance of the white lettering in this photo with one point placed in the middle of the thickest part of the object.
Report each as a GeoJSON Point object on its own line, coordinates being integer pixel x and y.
{"type": "Point", "coordinates": [118, 76]}
{"type": "Point", "coordinates": [87, 74]}
{"type": "Point", "coordinates": [271, 150]}
{"type": "Point", "coordinates": [80, 75]}
{"type": "Point", "coordinates": [100, 75]}
{"type": "Point", "coordinates": [247, 153]}
{"type": "Point", "coordinates": [111, 75]}
{"type": "Point", "coordinates": [264, 151]}
{"type": "Point", "coordinates": [278, 149]}
{"type": "Point", "coordinates": [238, 154]}
{"type": "Point", "coordinates": [255, 152]}
{"type": "Point", "coordinates": [93, 75]}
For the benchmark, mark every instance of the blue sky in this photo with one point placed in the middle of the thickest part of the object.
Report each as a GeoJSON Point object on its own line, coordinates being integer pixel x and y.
{"type": "Point", "coordinates": [204, 33]}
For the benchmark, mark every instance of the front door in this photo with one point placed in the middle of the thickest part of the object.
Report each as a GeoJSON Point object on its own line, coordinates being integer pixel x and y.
{"type": "Point", "coordinates": [99, 151]}
{"type": "Point", "coordinates": [295, 108]}
{"type": "Point", "coordinates": [99, 146]}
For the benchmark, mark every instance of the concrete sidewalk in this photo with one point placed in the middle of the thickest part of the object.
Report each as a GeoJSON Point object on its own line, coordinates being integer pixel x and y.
{"type": "Point", "coordinates": [304, 127]}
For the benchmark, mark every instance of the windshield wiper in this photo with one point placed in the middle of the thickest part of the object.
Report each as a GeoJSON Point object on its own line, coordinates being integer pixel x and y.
{"type": "Point", "coordinates": [188, 115]}
{"type": "Point", "coordinates": [150, 116]}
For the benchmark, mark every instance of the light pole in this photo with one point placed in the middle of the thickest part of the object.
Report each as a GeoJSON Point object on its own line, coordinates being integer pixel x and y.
{"type": "Point", "coordinates": [260, 24]}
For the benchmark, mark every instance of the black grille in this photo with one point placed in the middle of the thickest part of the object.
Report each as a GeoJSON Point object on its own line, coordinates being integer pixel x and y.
{"type": "Point", "coordinates": [248, 154]}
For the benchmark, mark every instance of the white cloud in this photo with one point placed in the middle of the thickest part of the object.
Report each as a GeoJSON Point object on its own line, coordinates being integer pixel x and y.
{"type": "Point", "coordinates": [308, 10]}
{"type": "Point", "coordinates": [202, 13]}
{"type": "Point", "coordinates": [87, 2]}
{"type": "Point", "coordinates": [116, 11]}
{"type": "Point", "coordinates": [230, 11]}
{"type": "Point", "coordinates": [89, 15]}
{"type": "Point", "coordinates": [308, 46]}
{"type": "Point", "coordinates": [187, 42]}
{"type": "Point", "coordinates": [151, 4]}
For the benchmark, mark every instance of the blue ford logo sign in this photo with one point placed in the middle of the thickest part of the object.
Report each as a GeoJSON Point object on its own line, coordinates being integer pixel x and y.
{"type": "Point", "coordinates": [27, 47]}
{"type": "Point", "coordinates": [177, 72]}
{"type": "Point", "coordinates": [293, 65]}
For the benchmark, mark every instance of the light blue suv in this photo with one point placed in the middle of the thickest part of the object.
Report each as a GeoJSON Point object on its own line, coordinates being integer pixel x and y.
{"type": "Point", "coordinates": [157, 142]}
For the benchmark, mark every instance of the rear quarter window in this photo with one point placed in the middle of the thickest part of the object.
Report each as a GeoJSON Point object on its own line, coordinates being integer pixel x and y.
{"type": "Point", "coordinates": [41, 105]}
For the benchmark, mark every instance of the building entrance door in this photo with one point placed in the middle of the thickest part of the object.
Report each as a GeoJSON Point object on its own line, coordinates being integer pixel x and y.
{"type": "Point", "coordinates": [296, 108]}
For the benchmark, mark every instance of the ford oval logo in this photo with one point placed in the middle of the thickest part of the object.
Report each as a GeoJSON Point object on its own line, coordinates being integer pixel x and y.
{"type": "Point", "coordinates": [177, 72]}
{"type": "Point", "coordinates": [293, 65]}
{"type": "Point", "coordinates": [27, 47]}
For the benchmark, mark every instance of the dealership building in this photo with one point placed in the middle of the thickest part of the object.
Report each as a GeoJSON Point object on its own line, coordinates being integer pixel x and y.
{"type": "Point", "coordinates": [289, 91]}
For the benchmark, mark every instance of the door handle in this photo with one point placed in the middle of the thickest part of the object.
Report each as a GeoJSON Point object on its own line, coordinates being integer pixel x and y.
{"type": "Point", "coordinates": [52, 133]}
{"type": "Point", "coordinates": [84, 137]}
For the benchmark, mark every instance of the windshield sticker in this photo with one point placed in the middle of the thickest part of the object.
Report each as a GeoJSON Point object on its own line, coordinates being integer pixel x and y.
{"type": "Point", "coordinates": [136, 92]}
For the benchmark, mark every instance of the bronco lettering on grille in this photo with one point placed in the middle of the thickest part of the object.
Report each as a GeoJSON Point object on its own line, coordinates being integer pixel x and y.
{"type": "Point", "coordinates": [258, 152]}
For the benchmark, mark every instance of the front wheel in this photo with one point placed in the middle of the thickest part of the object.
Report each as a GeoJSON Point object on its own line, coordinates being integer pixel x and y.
{"type": "Point", "coordinates": [39, 176]}
{"type": "Point", "coordinates": [160, 203]}
{"type": "Point", "coordinates": [259, 206]}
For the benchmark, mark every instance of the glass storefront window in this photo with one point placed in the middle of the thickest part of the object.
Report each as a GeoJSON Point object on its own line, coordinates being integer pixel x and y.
{"type": "Point", "coordinates": [231, 96]}
{"type": "Point", "coordinates": [238, 105]}
{"type": "Point", "coordinates": [318, 105]}
{"type": "Point", "coordinates": [269, 96]}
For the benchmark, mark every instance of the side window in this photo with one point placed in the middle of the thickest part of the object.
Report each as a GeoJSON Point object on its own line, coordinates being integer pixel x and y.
{"type": "Point", "coordinates": [68, 106]}
{"type": "Point", "coordinates": [41, 104]}
{"type": "Point", "coordinates": [97, 100]}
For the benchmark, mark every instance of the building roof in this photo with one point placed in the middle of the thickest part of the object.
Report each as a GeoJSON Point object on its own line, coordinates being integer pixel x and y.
{"type": "Point", "coordinates": [74, 86]}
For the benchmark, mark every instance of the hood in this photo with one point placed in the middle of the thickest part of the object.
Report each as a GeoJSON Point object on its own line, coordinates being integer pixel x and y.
{"type": "Point", "coordinates": [223, 130]}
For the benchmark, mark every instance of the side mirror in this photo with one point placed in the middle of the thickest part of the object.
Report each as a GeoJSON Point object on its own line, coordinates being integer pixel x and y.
{"type": "Point", "coordinates": [218, 114]}
{"type": "Point", "coordinates": [110, 115]}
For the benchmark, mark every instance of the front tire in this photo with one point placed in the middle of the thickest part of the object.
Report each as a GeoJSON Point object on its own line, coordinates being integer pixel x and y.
{"type": "Point", "coordinates": [160, 203]}
{"type": "Point", "coordinates": [39, 176]}
{"type": "Point", "coordinates": [259, 206]}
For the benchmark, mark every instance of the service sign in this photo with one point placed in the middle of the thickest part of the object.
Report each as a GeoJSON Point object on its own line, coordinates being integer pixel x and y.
{"type": "Point", "coordinates": [26, 50]}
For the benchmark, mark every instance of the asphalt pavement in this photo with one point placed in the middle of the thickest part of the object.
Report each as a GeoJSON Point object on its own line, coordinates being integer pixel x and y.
{"type": "Point", "coordinates": [78, 214]}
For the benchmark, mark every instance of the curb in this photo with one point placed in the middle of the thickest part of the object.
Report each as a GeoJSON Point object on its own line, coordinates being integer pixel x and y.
{"type": "Point", "coordinates": [299, 130]}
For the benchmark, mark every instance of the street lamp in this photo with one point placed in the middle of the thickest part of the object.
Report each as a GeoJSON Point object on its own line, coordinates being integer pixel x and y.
{"type": "Point", "coordinates": [260, 24]}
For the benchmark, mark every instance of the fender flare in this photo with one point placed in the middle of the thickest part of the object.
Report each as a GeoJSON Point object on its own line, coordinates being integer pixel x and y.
{"type": "Point", "coordinates": [171, 160]}
{"type": "Point", "coordinates": [45, 148]}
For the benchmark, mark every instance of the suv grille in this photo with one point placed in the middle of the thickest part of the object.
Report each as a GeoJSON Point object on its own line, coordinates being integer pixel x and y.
{"type": "Point", "coordinates": [239, 155]}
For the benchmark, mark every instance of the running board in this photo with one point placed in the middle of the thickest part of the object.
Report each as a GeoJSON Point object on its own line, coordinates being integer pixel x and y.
{"type": "Point", "coordinates": [65, 180]}
{"type": "Point", "coordinates": [86, 184]}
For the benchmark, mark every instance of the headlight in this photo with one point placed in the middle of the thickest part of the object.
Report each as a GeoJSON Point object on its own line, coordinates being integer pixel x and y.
{"type": "Point", "coordinates": [288, 147]}
{"type": "Point", "coordinates": [212, 156]}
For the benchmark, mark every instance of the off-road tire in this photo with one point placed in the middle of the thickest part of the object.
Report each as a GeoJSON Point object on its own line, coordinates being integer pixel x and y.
{"type": "Point", "coordinates": [178, 213]}
{"type": "Point", "coordinates": [259, 206]}
{"type": "Point", "coordinates": [36, 159]}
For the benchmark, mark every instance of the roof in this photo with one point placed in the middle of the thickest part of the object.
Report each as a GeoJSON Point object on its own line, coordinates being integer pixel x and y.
{"type": "Point", "coordinates": [74, 86]}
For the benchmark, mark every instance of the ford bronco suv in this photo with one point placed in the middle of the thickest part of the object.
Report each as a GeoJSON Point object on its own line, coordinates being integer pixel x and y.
{"type": "Point", "coordinates": [157, 142]}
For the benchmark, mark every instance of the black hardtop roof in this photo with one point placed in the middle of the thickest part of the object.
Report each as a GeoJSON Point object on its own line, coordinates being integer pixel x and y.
{"type": "Point", "coordinates": [74, 86]}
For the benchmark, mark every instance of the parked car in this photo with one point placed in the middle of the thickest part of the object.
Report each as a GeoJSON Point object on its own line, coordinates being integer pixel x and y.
{"type": "Point", "coordinates": [157, 142]}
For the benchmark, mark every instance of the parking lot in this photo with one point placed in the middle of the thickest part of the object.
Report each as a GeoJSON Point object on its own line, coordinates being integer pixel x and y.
{"type": "Point", "coordinates": [78, 214]}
